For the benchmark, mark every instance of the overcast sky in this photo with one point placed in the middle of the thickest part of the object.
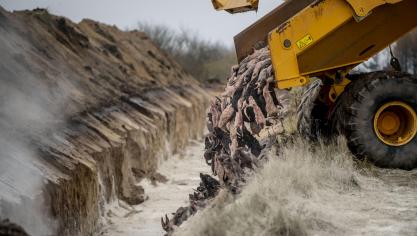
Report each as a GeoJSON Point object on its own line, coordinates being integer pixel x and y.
{"type": "Point", "coordinates": [196, 15]}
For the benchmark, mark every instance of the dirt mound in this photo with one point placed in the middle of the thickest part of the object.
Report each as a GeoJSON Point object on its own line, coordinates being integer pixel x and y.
{"type": "Point", "coordinates": [87, 111]}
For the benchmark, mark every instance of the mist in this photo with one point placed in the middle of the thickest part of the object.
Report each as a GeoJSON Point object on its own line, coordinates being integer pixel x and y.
{"type": "Point", "coordinates": [26, 118]}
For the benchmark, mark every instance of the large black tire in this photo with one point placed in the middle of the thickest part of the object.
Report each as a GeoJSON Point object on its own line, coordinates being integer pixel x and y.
{"type": "Point", "coordinates": [355, 111]}
{"type": "Point", "coordinates": [312, 113]}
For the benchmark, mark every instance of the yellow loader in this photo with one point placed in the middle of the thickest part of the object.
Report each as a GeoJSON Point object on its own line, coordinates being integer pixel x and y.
{"type": "Point", "coordinates": [326, 39]}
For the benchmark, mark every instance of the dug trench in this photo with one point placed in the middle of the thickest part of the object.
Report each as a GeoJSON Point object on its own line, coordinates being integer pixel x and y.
{"type": "Point", "coordinates": [87, 112]}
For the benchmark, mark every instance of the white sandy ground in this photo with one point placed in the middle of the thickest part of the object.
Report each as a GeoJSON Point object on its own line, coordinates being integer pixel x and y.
{"type": "Point", "coordinates": [183, 171]}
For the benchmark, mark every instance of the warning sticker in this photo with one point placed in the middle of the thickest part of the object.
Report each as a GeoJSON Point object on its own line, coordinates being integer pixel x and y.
{"type": "Point", "coordinates": [304, 42]}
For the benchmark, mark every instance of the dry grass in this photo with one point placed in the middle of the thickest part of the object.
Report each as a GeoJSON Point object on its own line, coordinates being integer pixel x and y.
{"type": "Point", "coordinates": [274, 201]}
{"type": "Point", "coordinates": [316, 190]}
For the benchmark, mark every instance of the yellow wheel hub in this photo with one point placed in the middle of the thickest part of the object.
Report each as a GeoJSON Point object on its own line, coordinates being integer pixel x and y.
{"type": "Point", "coordinates": [395, 123]}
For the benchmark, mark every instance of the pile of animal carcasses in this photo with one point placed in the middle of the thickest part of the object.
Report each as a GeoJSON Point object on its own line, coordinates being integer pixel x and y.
{"type": "Point", "coordinates": [248, 112]}
{"type": "Point", "coordinates": [241, 123]}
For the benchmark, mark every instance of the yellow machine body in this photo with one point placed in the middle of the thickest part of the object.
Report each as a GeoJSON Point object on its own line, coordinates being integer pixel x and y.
{"type": "Point", "coordinates": [326, 39]}
{"type": "Point", "coordinates": [333, 36]}
{"type": "Point", "coordinates": [316, 38]}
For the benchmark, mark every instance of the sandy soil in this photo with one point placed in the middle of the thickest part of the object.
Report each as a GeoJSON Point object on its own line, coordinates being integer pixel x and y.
{"type": "Point", "coordinates": [182, 172]}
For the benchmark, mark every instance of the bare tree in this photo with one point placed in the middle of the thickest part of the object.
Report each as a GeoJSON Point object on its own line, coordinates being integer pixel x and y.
{"type": "Point", "coordinates": [205, 60]}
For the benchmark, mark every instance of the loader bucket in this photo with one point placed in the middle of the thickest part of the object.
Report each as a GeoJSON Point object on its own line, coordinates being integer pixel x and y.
{"type": "Point", "coordinates": [235, 6]}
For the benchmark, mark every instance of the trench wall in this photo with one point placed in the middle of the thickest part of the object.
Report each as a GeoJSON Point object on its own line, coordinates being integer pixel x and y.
{"type": "Point", "coordinates": [109, 105]}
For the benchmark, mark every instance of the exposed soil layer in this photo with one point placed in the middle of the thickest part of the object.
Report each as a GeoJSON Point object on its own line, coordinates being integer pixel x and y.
{"type": "Point", "coordinates": [97, 109]}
